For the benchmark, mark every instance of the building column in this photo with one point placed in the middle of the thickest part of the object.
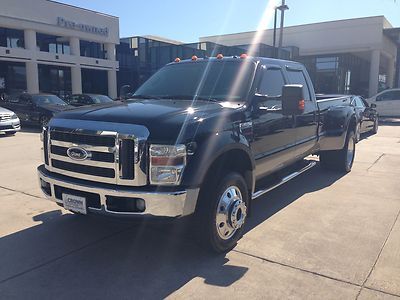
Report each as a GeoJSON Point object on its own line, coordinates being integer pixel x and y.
{"type": "Point", "coordinates": [112, 83]}
{"type": "Point", "coordinates": [30, 39]}
{"type": "Point", "coordinates": [76, 79]}
{"type": "Point", "coordinates": [391, 69]}
{"type": "Point", "coordinates": [75, 46]}
{"type": "Point", "coordinates": [32, 77]}
{"type": "Point", "coordinates": [110, 48]}
{"type": "Point", "coordinates": [374, 72]}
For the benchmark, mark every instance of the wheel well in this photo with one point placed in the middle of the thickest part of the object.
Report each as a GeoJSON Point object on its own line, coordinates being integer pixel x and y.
{"type": "Point", "coordinates": [234, 160]}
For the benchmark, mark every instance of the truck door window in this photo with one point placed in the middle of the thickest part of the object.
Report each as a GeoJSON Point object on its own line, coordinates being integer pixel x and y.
{"type": "Point", "coordinates": [272, 82]}
{"type": "Point", "coordinates": [297, 77]}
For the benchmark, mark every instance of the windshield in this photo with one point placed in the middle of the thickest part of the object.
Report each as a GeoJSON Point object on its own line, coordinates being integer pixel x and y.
{"type": "Point", "coordinates": [100, 99]}
{"type": "Point", "coordinates": [208, 80]}
{"type": "Point", "coordinates": [47, 99]}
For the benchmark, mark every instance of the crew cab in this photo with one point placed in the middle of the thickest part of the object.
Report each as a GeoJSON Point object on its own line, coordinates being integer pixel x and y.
{"type": "Point", "coordinates": [200, 139]}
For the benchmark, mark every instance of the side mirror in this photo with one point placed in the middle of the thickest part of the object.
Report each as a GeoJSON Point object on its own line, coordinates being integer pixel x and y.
{"type": "Point", "coordinates": [293, 99]}
{"type": "Point", "coordinates": [372, 105]}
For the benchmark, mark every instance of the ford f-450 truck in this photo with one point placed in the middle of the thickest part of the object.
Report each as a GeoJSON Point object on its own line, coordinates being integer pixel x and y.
{"type": "Point", "coordinates": [200, 138]}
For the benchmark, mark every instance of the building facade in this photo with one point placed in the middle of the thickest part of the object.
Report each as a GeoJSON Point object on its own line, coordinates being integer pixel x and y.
{"type": "Point", "coordinates": [50, 47]}
{"type": "Point", "coordinates": [346, 56]}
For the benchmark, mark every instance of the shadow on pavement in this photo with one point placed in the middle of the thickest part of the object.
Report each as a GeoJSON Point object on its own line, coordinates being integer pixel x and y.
{"type": "Point", "coordinates": [72, 256]}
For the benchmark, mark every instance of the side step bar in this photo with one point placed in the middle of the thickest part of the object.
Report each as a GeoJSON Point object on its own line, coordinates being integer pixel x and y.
{"type": "Point", "coordinates": [284, 180]}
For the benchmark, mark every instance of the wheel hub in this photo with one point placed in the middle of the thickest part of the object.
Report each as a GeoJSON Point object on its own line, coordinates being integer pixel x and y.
{"type": "Point", "coordinates": [231, 212]}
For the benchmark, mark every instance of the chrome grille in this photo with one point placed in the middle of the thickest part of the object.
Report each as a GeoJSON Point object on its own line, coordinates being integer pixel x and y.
{"type": "Point", "coordinates": [114, 157]}
{"type": "Point", "coordinates": [5, 117]}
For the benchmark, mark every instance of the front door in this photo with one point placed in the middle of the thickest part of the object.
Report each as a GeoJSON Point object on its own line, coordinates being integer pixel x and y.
{"type": "Point", "coordinates": [274, 133]}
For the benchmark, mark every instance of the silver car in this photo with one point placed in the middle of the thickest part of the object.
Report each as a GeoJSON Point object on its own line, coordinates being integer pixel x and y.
{"type": "Point", "coordinates": [9, 122]}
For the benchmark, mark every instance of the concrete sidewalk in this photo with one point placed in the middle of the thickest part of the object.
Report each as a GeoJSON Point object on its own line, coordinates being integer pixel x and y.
{"type": "Point", "coordinates": [320, 236]}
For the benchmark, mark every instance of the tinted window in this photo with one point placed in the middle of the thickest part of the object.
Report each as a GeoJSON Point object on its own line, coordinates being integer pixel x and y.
{"type": "Point", "coordinates": [297, 77]}
{"type": "Point", "coordinates": [358, 102]}
{"type": "Point", "coordinates": [47, 99]}
{"type": "Point", "coordinates": [97, 99]}
{"type": "Point", "coordinates": [272, 82]}
{"type": "Point", "coordinates": [389, 95]}
{"type": "Point", "coordinates": [220, 80]}
{"type": "Point", "coordinates": [74, 99]}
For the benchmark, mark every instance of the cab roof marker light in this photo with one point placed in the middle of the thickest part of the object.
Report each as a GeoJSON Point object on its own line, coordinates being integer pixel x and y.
{"type": "Point", "coordinates": [220, 56]}
{"type": "Point", "coordinates": [194, 57]}
{"type": "Point", "coordinates": [243, 55]}
{"type": "Point", "coordinates": [177, 60]}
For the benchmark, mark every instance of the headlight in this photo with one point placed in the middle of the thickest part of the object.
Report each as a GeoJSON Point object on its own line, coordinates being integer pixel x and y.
{"type": "Point", "coordinates": [14, 116]}
{"type": "Point", "coordinates": [167, 163]}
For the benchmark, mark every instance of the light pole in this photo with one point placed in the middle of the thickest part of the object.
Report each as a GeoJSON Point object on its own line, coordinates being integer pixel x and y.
{"type": "Point", "coordinates": [274, 39]}
{"type": "Point", "coordinates": [282, 8]}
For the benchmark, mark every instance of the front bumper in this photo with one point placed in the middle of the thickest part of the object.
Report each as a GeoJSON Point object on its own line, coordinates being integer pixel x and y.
{"type": "Point", "coordinates": [10, 125]}
{"type": "Point", "coordinates": [157, 203]}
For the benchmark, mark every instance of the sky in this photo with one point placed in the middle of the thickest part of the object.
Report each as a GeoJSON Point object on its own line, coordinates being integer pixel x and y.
{"type": "Point", "coordinates": [185, 21]}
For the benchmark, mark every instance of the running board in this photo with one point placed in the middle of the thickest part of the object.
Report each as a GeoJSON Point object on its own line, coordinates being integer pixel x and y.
{"type": "Point", "coordinates": [284, 180]}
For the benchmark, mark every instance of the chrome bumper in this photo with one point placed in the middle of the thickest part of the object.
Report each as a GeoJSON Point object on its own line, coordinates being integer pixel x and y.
{"type": "Point", "coordinates": [10, 125]}
{"type": "Point", "coordinates": [162, 204]}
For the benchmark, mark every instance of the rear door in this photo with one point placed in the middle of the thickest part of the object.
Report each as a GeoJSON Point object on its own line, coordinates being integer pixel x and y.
{"type": "Point", "coordinates": [388, 103]}
{"type": "Point", "coordinates": [306, 124]}
{"type": "Point", "coordinates": [274, 133]}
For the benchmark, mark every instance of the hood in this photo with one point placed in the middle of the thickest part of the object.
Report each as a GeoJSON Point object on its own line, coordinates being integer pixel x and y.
{"type": "Point", "coordinates": [54, 107]}
{"type": "Point", "coordinates": [5, 111]}
{"type": "Point", "coordinates": [164, 118]}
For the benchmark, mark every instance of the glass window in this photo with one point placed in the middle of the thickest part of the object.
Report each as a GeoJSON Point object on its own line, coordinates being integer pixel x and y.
{"type": "Point", "coordinates": [97, 99]}
{"type": "Point", "coordinates": [52, 43]}
{"type": "Point", "coordinates": [11, 38]}
{"type": "Point", "coordinates": [358, 102]}
{"type": "Point", "coordinates": [92, 49]}
{"type": "Point", "coordinates": [389, 95]}
{"type": "Point", "coordinates": [47, 99]}
{"type": "Point", "coordinates": [55, 80]}
{"type": "Point", "coordinates": [220, 80]}
{"type": "Point", "coordinates": [272, 82]}
{"type": "Point", "coordinates": [297, 77]}
{"type": "Point", "coordinates": [12, 78]}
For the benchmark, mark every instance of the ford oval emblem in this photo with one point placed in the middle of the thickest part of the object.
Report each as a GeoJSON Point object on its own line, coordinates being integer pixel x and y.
{"type": "Point", "coordinates": [77, 153]}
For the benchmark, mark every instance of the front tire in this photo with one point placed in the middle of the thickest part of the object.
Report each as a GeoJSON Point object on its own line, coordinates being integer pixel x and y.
{"type": "Point", "coordinates": [340, 160]}
{"type": "Point", "coordinates": [222, 212]}
{"type": "Point", "coordinates": [10, 132]}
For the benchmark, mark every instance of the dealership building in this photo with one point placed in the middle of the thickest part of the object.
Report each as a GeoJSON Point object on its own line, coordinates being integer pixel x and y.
{"type": "Point", "coordinates": [50, 47]}
{"type": "Point", "coordinates": [356, 56]}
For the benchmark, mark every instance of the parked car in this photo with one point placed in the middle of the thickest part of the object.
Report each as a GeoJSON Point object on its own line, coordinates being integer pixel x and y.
{"type": "Point", "coordinates": [9, 122]}
{"type": "Point", "coordinates": [88, 99]}
{"type": "Point", "coordinates": [202, 138]}
{"type": "Point", "coordinates": [387, 103]}
{"type": "Point", "coordinates": [366, 114]}
{"type": "Point", "coordinates": [35, 109]}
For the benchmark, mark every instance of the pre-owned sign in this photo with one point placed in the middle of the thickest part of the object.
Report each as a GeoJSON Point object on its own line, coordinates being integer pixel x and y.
{"type": "Point", "coordinates": [81, 27]}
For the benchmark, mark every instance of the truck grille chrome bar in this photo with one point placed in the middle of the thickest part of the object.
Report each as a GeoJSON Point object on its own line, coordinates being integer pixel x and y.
{"type": "Point", "coordinates": [94, 155]}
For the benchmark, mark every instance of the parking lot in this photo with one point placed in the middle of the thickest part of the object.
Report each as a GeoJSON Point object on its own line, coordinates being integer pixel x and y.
{"type": "Point", "coordinates": [322, 236]}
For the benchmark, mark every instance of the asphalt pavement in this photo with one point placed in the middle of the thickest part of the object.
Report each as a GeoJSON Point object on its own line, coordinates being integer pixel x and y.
{"type": "Point", "coordinates": [323, 235]}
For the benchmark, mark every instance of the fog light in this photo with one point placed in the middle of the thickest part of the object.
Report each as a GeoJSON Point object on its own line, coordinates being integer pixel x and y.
{"type": "Point", "coordinates": [140, 205]}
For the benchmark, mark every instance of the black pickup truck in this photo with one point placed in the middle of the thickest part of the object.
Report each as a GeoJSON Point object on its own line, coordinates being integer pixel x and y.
{"type": "Point", "coordinates": [200, 138]}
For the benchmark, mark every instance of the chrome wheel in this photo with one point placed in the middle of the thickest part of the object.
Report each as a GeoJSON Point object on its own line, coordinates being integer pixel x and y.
{"type": "Point", "coordinates": [350, 152]}
{"type": "Point", "coordinates": [231, 212]}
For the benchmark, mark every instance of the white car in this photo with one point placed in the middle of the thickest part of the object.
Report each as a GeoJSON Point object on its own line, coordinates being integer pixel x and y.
{"type": "Point", "coordinates": [387, 103]}
{"type": "Point", "coordinates": [9, 122]}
